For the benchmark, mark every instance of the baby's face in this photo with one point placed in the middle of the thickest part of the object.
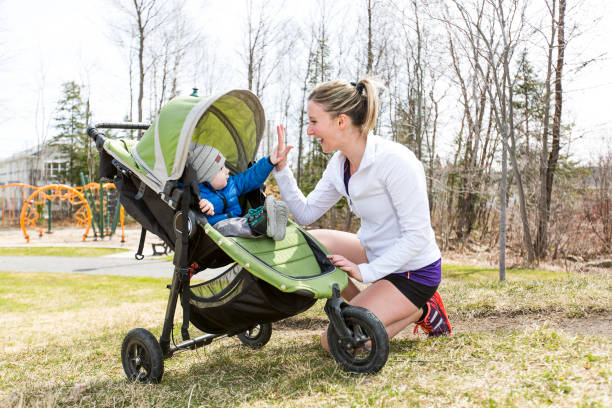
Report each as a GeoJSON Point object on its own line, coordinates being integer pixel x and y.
{"type": "Point", "coordinates": [220, 180]}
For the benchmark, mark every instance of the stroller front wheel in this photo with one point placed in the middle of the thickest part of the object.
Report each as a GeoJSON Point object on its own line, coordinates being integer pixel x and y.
{"type": "Point", "coordinates": [367, 348]}
{"type": "Point", "coordinates": [257, 336]}
{"type": "Point", "coordinates": [141, 356]}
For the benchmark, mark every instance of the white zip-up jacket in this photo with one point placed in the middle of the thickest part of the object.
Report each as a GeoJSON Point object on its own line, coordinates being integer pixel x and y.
{"type": "Point", "coordinates": [388, 193]}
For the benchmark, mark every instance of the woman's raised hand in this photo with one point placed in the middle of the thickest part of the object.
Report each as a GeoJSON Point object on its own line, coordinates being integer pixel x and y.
{"type": "Point", "coordinates": [278, 157]}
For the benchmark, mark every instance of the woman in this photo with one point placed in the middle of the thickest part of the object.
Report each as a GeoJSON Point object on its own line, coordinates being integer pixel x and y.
{"type": "Point", "coordinates": [384, 183]}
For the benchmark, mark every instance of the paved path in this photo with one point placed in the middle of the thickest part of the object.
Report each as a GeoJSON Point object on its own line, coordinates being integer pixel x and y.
{"type": "Point", "coordinates": [108, 265]}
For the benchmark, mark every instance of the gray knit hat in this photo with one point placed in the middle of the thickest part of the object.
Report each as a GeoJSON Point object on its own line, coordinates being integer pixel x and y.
{"type": "Point", "coordinates": [206, 160]}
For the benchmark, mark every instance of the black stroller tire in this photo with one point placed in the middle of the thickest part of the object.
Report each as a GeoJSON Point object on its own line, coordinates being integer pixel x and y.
{"type": "Point", "coordinates": [142, 357]}
{"type": "Point", "coordinates": [360, 321]}
{"type": "Point", "coordinates": [256, 337]}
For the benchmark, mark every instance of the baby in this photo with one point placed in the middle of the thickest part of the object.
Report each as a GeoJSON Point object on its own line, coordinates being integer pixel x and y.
{"type": "Point", "coordinates": [219, 194]}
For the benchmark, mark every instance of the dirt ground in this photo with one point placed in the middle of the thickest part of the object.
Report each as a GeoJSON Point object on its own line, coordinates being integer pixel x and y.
{"type": "Point", "coordinates": [74, 237]}
{"type": "Point", "coordinates": [597, 325]}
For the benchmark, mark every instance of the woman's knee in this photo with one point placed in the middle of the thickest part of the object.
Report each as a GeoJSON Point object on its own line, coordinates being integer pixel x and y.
{"type": "Point", "coordinates": [384, 300]}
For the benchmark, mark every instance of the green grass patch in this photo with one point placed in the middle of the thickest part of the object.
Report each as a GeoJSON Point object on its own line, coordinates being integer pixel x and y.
{"type": "Point", "coordinates": [477, 274]}
{"type": "Point", "coordinates": [42, 293]}
{"type": "Point", "coordinates": [59, 251]}
{"type": "Point", "coordinates": [61, 334]}
{"type": "Point", "coordinates": [476, 291]}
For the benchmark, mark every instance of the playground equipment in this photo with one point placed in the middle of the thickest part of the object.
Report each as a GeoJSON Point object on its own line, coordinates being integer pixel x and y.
{"type": "Point", "coordinates": [105, 207]}
{"type": "Point", "coordinates": [24, 204]}
{"type": "Point", "coordinates": [12, 197]}
{"type": "Point", "coordinates": [30, 212]}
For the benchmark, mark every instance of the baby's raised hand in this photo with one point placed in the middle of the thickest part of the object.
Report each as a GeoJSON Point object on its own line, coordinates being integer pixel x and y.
{"type": "Point", "coordinates": [207, 207]}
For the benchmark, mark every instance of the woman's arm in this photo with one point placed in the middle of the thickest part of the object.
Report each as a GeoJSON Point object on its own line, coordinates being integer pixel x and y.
{"type": "Point", "coordinates": [306, 210]}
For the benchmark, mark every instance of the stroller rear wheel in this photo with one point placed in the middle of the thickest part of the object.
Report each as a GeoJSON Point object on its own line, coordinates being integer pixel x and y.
{"type": "Point", "coordinates": [141, 356]}
{"type": "Point", "coordinates": [257, 336]}
{"type": "Point", "coordinates": [367, 348]}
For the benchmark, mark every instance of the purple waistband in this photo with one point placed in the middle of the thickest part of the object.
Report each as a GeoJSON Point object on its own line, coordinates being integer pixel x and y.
{"type": "Point", "coordinates": [430, 275]}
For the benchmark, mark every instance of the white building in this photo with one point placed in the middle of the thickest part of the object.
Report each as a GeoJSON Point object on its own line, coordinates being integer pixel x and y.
{"type": "Point", "coordinates": [33, 166]}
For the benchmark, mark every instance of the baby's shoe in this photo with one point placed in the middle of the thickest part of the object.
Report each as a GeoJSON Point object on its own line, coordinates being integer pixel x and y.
{"type": "Point", "coordinates": [277, 215]}
{"type": "Point", "coordinates": [256, 220]}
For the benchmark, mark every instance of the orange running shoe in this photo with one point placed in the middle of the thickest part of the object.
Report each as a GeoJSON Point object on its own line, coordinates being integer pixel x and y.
{"type": "Point", "coordinates": [435, 323]}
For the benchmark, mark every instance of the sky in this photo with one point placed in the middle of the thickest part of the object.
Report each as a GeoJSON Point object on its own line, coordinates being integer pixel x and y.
{"type": "Point", "coordinates": [46, 43]}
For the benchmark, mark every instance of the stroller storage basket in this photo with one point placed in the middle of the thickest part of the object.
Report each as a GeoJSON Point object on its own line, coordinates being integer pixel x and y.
{"type": "Point", "coordinates": [235, 301]}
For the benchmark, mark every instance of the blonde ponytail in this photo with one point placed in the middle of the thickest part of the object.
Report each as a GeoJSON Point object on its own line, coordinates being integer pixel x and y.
{"type": "Point", "coordinates": [359, 101]}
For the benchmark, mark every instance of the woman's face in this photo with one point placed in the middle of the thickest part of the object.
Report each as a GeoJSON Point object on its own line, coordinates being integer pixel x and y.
{"type": "Point", "coordinates": [323, 127]}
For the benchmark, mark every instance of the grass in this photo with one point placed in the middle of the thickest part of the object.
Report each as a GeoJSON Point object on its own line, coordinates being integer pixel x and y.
{"type": "Point", "coordinates": [60, 337]}
{"type": "Point", "coordinates": [477, 292]}
{"type": "Point", "coordinates": [59, 251]}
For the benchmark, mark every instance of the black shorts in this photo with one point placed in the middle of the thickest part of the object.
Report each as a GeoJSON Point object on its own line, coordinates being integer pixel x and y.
{"type": "Point", "coordinates": [417, 293]}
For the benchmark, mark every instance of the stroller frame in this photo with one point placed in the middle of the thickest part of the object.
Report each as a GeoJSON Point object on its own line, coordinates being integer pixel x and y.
{"type": "Point", "coordinates": [353, 331]}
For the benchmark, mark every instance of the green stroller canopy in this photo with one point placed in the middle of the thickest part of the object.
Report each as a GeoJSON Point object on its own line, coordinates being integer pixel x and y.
{"type": "Point", "coordinates": [233, 122]}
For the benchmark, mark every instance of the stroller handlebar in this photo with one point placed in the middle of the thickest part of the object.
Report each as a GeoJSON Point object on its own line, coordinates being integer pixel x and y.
{"type": "Point", "coordinates": [123, 125]}
{"type": "Point", "coordinates": [96, 136]}
{"type": "Point", "coordinates": [99, 138]}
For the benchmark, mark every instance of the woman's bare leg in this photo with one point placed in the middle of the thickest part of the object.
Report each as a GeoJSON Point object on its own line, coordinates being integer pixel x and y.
{"type": "Point", "coordinates": [398, 326]}
{"type": "Point", "coordinates": [382, 298]}
{"type": "Point", "coordinates": [347, 245]}
{"type": "Point", "coordinates": [393, 309]}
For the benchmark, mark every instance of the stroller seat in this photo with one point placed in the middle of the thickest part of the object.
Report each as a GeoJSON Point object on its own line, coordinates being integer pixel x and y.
{"type": "Point", "coordinates": [296, 264]}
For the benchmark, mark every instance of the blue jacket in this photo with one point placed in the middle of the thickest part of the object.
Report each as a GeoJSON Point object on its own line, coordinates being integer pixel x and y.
{"type": "Point", "coordinates": [226, 201]}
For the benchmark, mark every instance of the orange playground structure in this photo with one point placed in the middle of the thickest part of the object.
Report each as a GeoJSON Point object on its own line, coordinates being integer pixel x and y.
{"type": "Point", "coordinates": [26, 203]}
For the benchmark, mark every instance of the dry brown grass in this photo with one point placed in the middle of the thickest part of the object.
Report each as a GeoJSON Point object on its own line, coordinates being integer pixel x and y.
{"type": "Point", "coordinates": [63, 350]}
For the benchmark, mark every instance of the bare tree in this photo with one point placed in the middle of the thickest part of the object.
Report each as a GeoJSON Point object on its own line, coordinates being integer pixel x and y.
{"type": "Point", "coordinates": [548, 161]}
{"type": "Point", "coordinates": [413, 84]}
{"type": "Point", "coordinates": [504, 116]}
{"type": "Point", "coordinates": [42, 121]}
{"type": "Point", "coordinates": [208, 74]}
{"type": "Point", "coordinates": [498, 55]}
{"type": "Point", "coordinates": [302, 113]}
{"type": "Point", "coordinates": [170, 46]}
{"type": "Point", "coordinates": [267, 42]}
{"type": "Point", "coordinates": [475, 143]}
{"type": "Point", "coordinates": [598, 200]}
{"type": "Point", "coordinates": [4, 59]}
{"type": "Point", "coordinates": [144, 18]}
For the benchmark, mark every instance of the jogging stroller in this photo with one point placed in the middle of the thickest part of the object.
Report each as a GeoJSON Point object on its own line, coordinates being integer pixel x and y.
{"type": "Point", "coordinates": [263, 281]}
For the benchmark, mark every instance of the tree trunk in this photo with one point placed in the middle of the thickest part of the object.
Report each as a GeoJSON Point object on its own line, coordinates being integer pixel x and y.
{"type": "Point", "coordinates": [509, 112]}
{"type": "Point", "coordinates": [527, 242]}
{"type": "Point", "coordinates": [370, 61]}
{"type": "Point", "coordinates": [502, 213]}
{"type": "Point", "coordinates": [541, 237]}
{"type": "Point", "coordinates": [141, 70]}
{"type": "Point", "coordinates": [556, 128]}
{"type": "Point", "coordinates": [302, 113]}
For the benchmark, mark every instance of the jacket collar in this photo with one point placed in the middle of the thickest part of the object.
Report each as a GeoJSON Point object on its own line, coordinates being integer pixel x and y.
{"type": "Point", "coordinates": [369, 154]}
{"type": "Point", "coordinates": [210, 187]}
